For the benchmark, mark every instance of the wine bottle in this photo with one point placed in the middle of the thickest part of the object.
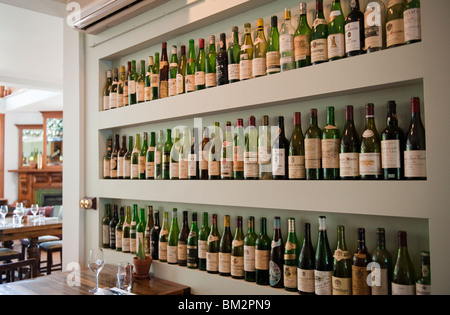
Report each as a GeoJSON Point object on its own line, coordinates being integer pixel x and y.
{"type": "Point", "coordinates": [192, 244]}
{"type": "Point", "coordinates": [106, 90]}
{"type": "Point", "coordinates": [119, 229]}
{"type": "Point", "coordinates": [249, 251]}
{"type": "Point", "coordinates": [225, 249]}
{"type": "Point", "coordinates": [200, 66]}
{"type": "Point", "coordinates": [302, 39]}
{"type": "Point", "coordinates": [112, 228]}
{"type": "Point", "coordinates": [280, 153]}
{"type": "Point", "coordinates": [238, 150]}
{"type": "Point", "coordinates": [342, 266]}
{"type": "Point", "coordinates": [132, 81]}
{"type": "Point", "coordinates": [154, 238]}
{"type": "Point", "coordinates": [158, 155]}
{"type": "Point", "coordinates": [185, 150]}
{"type": "Point", "coordinates": [148, 228]}
{"type": "Point", "coordinates": [107, 160]}
{"type": "Point", "coordinates": [297, 150]}
{"type": "Point", "coordinates": [203, 235]}
{"type": "Point", "coordinates": [194, 157]}
{"type": "Point", "coordinates": [143, 156]}
{"type": "Point", "coordinates": [113, 90]}
{"type": "Point", "coordinates": [259, 62]}
{"type": "Point", "coordinates": [306, 264]}
{"type": "Point", "coordinates": [150, 158]}
{"type": "Point", "coordinates": [291, 254]}
{"type": "Point", "coordinates": [404, 279]}
{"type": "Point", "coordinates": [354, 31]}
{"type": "Point", "coordinates": [174, 156]}
{"type": "Point", "coordinates": [211, 63]}
{"type": "Point", "coordinates": [395, 25]}
{"type": "Point", "coordinates": [423, 284]}
{"type": "Point", "coordinates": [336, 30]}
{"type": "Point", "coordinates": [265, 149]}
{"type": "Point", "coordinates": [105, 227]}
{"type": "Point", "coordinates": [319, 36]}
{"type": "Point", "coordinates": [350, 147]}
{"type": "Point", "coordinates": [276, 264]}
{"type": "Point", "coordinates": [164, 73]}
{"type": "Point", "coordinates": [262, 255]}
{"type": "Point", "coordinates": [203, 162]}
{"type": "Point", "coordinates": [287, 53]}
{"type": "Point", "coordinates": [251, 169]}
{"type": "Point", "coordinates": [323, 271]}
{"type": "Point", "coordinates": [127, 159]}
{"type": "Point", "coordinates": [155, 78]}
{"type": "Point", "coordinates": [416, 152]}
{"type": "Point", "coordinates": [163, 238]}
{"type": "Point", "coordinates": [374, 26]}
{"type": "Point", "coordinates": [313, 148]}
{"type": "Point", "coordinates": [181, 74]}
{"type": "Point", "coordinates": [382, 257]}
{"type": "Point", "coordinates": [140, 232]}
{"type": "Point", "coordinates": [135, 157]}
{"type": "Point", "coordinates": [370, 154]}
{"type": "Point", "coordinates": [166, 155]}
{"type": "Point", "coordinates": [237, 251]}
{"type": "Point", "coordinates": [172, 245]}
{"type": "Point", "coordinates": [182, 241]}
{"type": "Point", "coordinates": [222, 61]}
{"type": "Point", "coordinates": [133, 229]}
{"type": "Point", "coordinates": [173, 72]}
{"type": "Point", "coordinates": [126, 235]}
{"type": "Point", "coordinates": [234, 57]}
{"type": "Point", "coordinates": [126, 85]}
{"type": "Point", "coordinates": [411, 16]}
{"type": "Point", "coordinates": [214, 158]}
{"type": "Point", "coordinates": [121, 158]}
{"type": "Point", "coordinates": [190, 68]}
{"type": "Point", "coordinates": [115, 157]}
{"type": "Point", "coordinates": [392, 145]}
{"type": "Point", "coordinates": [331, 141]}
{"type": "Point", "coordinates": [226, 167]}
{"type": "Point", "coordinates": [246, 56]}
{"type": "Point", "coordinates": [148, 80]}
{"type": "Point", "coordinates": [212, 253]}
{"type": "Point", "coordinates": [361, 259]}
{"type": "Point", "coordinates": [273, 48]}
{"type": "Point", "coordinates": [140, 84]}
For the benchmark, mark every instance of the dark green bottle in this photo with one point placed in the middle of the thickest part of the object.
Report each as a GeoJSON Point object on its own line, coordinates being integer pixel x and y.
{"type": "Point", "coordinates": [291, 254]}
{"type": "Point", "coordinates": [319, 36]}
{"type": "Point", "coordinates": [313, 149]}
{"type": "Point", "coordinates": [234, 57]}
{"type": "Point", "coordinates": [383, 258]}
{"type": "Point", "coordinates": [190, 68]}
{"type": "Point", "coordinates": [200, 67]}
{"type": "Point", "coordinates": [203, 235]}
{"type": "Point", "coordinates": [166, 155]}
{"type": "Point", "coordinates": [342, 266]}
{"type": "Point", "coordinates": [306, 264]}
{"type": "Point", "coordinates": [192, 244]}
{"type": "Point", "coordinates": [302, 39]}
{"type": "Point", "coordinates": [323, 270]}
{"type": "Point", "coordinates": [331, 142]}
{"type": "Point", "coordinates": [237, 251]}
{"type": "Point", "coordinates": [249, 249]}
{"type": "Point", "coordinates": [262, 255]}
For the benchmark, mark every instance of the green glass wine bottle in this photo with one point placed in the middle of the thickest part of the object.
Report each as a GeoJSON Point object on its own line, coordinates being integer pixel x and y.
{"type": "Point", "coordinates": [287, 53]}
{"type": "Point", "coordinates": [210, 75]}
{"type": "Point", "coordinates": [370, 154]}
{"type": "Point", "coordinates": [297, 150]}
{"type": "Point", "coordinates": [423, 284]}
{"type": "Point", "coordinates": [163, 87]}
{"type": "Point", "coordinates": [200, 66]}
{"type": "Point", "coordinates": [374, 26]}
{"type": "Point", "coordinates": [192, 244]}
{"type": "Point", "coordinates": [182, 241]}
{"type": "Point", "coordinates": [411, 16]}
{"type": "Point", "coordinates": [113, 90]}
{"type": "Point", "coordinates": [237, 251]}
{"type": "Point", "coordinates": [238, 149]}
{"type": "Point", "coordinates": [143, 156]}
{"type": "Point", "coordinates": [246, 56]}
{"type": "Point", "coordinates": [291, 254]}
{"type": "Point", "coordinates": [319, 36]}
{"type": "Point", "coordinates": [159, 154]}
{"type": "Point", "coordinates": [166, 155]}
{"type": "Point", "coordinates": [404, 278]}
{"type": "Point", "coordinates": [383, 258]}
{"type": "Point", "coordinates": [140, 232]}
{"type": "Point", "coordinates": [105, 227]}
{"type": "Point", "coordinates": [126, 234]}
{"type": "Point", "coordinates": [190, 68]}
{"type": "Point", "coordinates": [273, 48]}
{"type": "Point", "coordinates": [119, 230]}
{"type": "Point", "coordinates": [172, 241]}
{"type": "Point", "coordinates": [251, 166]}
{"type": "Point", "coordinates": [323, 271]}
{"type": "Point", "coordinates": [214, 157]}
{"type": "Point", "coordinates": [155, 78]}
{"type": "Point", "coordinates": [174, 165]}
{"type": "Point", "coordinates": [148, 80]}
{"type": "Point", "coordinates": [336, 30]}
{"type": "Point", "coordinates": [226, 167]}
{"type": "Point", "coordinates": [132, 81]}
{"type": "Point", "coordinates": [349, 148]}
{"type": "Point", "coordinates": [331, 142]}
{"type": "Point", "coordinates": [234, 57]}
{"type": "Point", "coordinates": [313, 148]}
{"type": "Point", "coordinates": [133, 231]}
{"type": "Point", "coordinates": [213, 245]}
{"type": "Point", "coordinates": [135, 157]}
{"type": "Point", "coordinates": [259, 62]}
{"type": "Point", "coordinates": [361, 261]}
{"type": "Point", "coordinates": [395, 25]}
{"type": "Point", "coordinates": [249, 251]}
{"type": "Point", "coordinates": [302, 39]}
{"type": "Point", "coordinates": [140, 84]}
{"type": "Point", "coordinates": [173, 72]}
{"type": "Point", "coordinates": [265, 149]}
{"type": "Point", "coordinates": [181, 74]}
{"type": "Point", "coordinates": [164, 238]}
{"type": "Point", "coordinates": [306, 264]}
{"type": "Point", "coordinates": [125, 85]}
{"type": "Point", "coordinates": [262, 255]}
{"type": "Point", "coordinates": [106, 91]}
{"type": "Point", "coordinates": [148, 228]}
{"type": "Point", "coordinates": [121, 158]}
{"type": "Point", "coordinates": [203, 235]}
{"type": "Point", "coordinates": [107, 160]}
{"type": "Point", "coordinates": [150, 157]}
{"type": "Point", "coordinates": [225, 247]}
{"type": "Point", "coordinates": [342, 266]}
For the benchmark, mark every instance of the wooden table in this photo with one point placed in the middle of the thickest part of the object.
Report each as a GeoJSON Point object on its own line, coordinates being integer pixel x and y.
{"type": "Point", "coordinates": [56, 284]}
{"type": "Point", "coordinates": [31, 230]}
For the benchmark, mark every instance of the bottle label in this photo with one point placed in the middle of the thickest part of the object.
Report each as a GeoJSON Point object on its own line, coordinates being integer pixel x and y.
{"type": "Point", "coordinates": [147, 93]}
{"type": "Point", "coordinates": [246, 69]}
{"type": "Point", "coordinates": [212, 262]}
{"type": "Point", "coordinates": [297, 167]}
{"type": "Point", "coordinates": [265, 155]}
{"type": "Point", "coordinates": [323, 282]}
{"type": "Point", "coordinates": [125, 95]}
{"type": "Point", "coordinates": [154, 80]}
{"type": "Point", "coordinates": [202, 248]}
{"type": "Point", "coordinates": [106, 234]}
{"type": "Point", "coordinates": [224, 262]}
{"type": "Point", "coordinates": [234, 71]}
{"type": "Point", "coordinates": [174, 170]}
{"type": "Point", "coordinates": [182, 252]}
{"type": "Point", "coordinates": [113, 100]}
{"type": "Point", "coordinates": [164, 89]}
{"type": "Point", "coordinates": [192, 165]}
{"type": "Point", "coordinates": [142, 165]}
{"type": "Point", "coordinates": [249, 258]}
{"type": "Point", "coordinates": [395, 32]}
{"type": "Point", "coordinates": [140, 91]}
{"type": "Point", "coordinates": [172, 254]}
{"type": "Point", "coordinates": [211, 80]}
{"type": "Point", "coordinates": [262, 258]}
{"type": "Point", "coordinates": [336, 45]}
{"type": "Point", "coordinates": [370, 164]}
{"type": "Point", "coordinates": [106, 103]}
{"type": "Point", "coordinates": [399, 289]}
{"type": "Point", "coordinates": [319, 50]}
{"type": "Point", "coordinates": [286, 44]}
{"type": "Point", "coordinates": [306, 280]}
{"type": "Point", "coordinates": [204, 161]}
{"type": "Point", "coordinates": [184, 169]}
{"type": "Point", "coordinates": [352, 37]}
{"type": "Point", "coordinates": [214, 168]}
{"type": "Point", "coordinates": [200, 78]}
{"type": "Point", "coordinates": [290, 277]}
{"type": "Point", "coordinates": [372, 26]}
{"type": "Point", "coordinates": [422, 289]}
{"type": "Point", "coordinates": [190, 83]}
{"type": "Point", "coordinates": [383, 288]}
{"type": "Point", "coordinates": [390, 154]}
{"type": "Point", "coordinates": [278, 162]}
{"type": "Point", "coordinates": [313, 153]}
{"type": "Point", "coordinates": [158, 157]}
{"type": "Point", "coordinates": [251, 164]}
{"type": "Point", "coordinates": [275, 273]}
{"type": "Point", "coordinates": [172, 87]}
{"type": "Point", "coordinates": [359, 280]}
{"type": "Point", "coordinates": [302, 47]}
{"type": "Point", "coordinates": [238, 159]}
{"type": "Point", "coordinates": [180, 84]}
{"type": "Point", "coordinates": [227, 168]}
{"type": "Point", "coordinates": [330, 153]}
{"type": "Point", "coordinates": [339, 254]}
{"type": "Point", "coordinates": [273, 61]}
{"type": "Point", "coordinates": [162, 251]}
{"type": "Point", "coordinates": [106, 168]}
{"type": "Point", "coordinates": [127, 168]}
{"type": "Point", "coordinates": [349, 164]}
{"type": "Point", "coordinates": [120, 169]}
{"type": "Point", "coordinates": [135, 171]}
{"type": "Point", "coordinates": [192, 256]}
{"type": "Point", "coordinates": [132, 87]}
{"type": "Point", "coordinates": [237, 266]}
{"type": "Point", "coordinates": [415, 164]}
{"type": "Point", "coordinates": [150, 169]}
{"type": "Point", "coordinates": [412, 24]}
{"type": "Point", "coordinates": [125, 244]}
{"type": "Point", "coordinates": [259, 67]}
{"type": "Point", "coordinates": [342, 286]}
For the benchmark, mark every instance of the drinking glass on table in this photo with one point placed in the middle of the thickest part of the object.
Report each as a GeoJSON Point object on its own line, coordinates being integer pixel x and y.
{"type": "Point", "coordinates": [96, 263]}
{"type": "Point", "coordinates": [19, 212]}
{"type": "Point", "coordinates": [3, 213]}
{"type": "Point", "coordinates": [41, 215]}
{"type": "Point", "coordinates": [124, 276]}
{"type": "Point", "coordinates": [34, 211]}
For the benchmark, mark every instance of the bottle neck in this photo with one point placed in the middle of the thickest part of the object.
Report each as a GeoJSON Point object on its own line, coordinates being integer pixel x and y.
{"type": "Point", "coordinates": [319, 9]}
{"type": "Point", "coordinates": [263, 227]}
{"type": "Point", "coordinates": [313, 118]}
{"type": "Point", "coordinates": [355, 5]}
{"type": "Point", "coordinates": [157, 218]}
{"type": "Point", "coordinates": [205, 220]}
{"type": "Point", "coordinates": [251, 225]}
{"type": "Point", "coordinates": [281, 127]}
{"type": "Point", "coordinates": [330, 117]}
{"type": "Point", "coordinates": [235, 37]}
{"type": "Point", "coordinates": [169, 135]}
{"type": "Point", "coordinates": [361, 240]}
{"type": "Point", "coordinates": [341, 237]}
{"type": "Point", "coordinates": [381, 240]}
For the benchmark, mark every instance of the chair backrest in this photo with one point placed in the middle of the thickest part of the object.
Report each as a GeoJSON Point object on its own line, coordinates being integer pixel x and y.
{"type": "Point", "coordinates": [8, 271]}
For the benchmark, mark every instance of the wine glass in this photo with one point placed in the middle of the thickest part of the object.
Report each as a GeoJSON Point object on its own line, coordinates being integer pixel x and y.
{"type": "Point", "coordinates": [34, 211]}
{"type": "Point", "coordinates": [3, 213]}
{"type": "Point", "coordinates": [20, 211]}
{"type": "Point", "coordinates": [96, 263]}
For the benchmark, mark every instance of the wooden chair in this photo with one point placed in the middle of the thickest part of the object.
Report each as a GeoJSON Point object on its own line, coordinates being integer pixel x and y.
{"type": "Point", "coordinates": [7, 255]}
{"type": "Point", "coordinates": [50, 248]}
{"type": "Point", "coordinates": [24, 267]}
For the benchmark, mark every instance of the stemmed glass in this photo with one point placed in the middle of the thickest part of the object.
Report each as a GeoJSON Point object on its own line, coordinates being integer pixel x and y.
{"type": "Point", "coordinates": [34, 211]}
{"type": "Point", "coordinates": [96, 263]}
{"type": "Point", "coordinates": [20, 211]}
{"type": "Point", "coordinates": [3, 213]}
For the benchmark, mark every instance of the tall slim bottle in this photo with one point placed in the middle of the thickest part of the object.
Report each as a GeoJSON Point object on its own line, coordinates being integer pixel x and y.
{"type": "Point", "coordinates": [280, 153]}
{"type": "Point", "coordinates": [200, 66]}
{"type": "Point", "coordinates": [114, 89]}
{"type": "Point", "coordinates": [214, 157]}
{"type": "Point", "coordinates": [106, 91]}
{"type": "Point", "coordinates": [411, 16]}
{"type": "Point", "coordinates": [182, 241]}
{"type": "Point", "coordinates": [350, 148]}
{"type": "Point", "coordinates": [158, 155]}
{"type": "Point", "coordinates": [148, 80]}
{"type": "Point", "coordinates": [361, 259]}
{"type": "Point", "coordinates": [374, 26]}
{"type": "Point", "coordinates": [336, 30]}
{"type": "Point", "coordinates": [395, 25]}
{"type": "Point", "coordinates": [150, 157]}
{"type": "Point", "coordinates": [126, 234]}
{"type": "Point", "coordinates": [167, 148]}
{"type": "Point", "coordinates": [287, 53]}
{"type": "Point", "coordinates": [203, 235]}
{"type": "Point", "coordinates": [163, 238]}
{"type": "Point", "coordinates": [237, 251]}
{"type": "Point", "coordinates": [190, 68]}
{"type": "Point", "coordinates": [259, 62]}
{"type": "Point", "coordinates": [306, 264]}
{"type": "Point", "coordinates": [140, 232]}
{"type": "Point", "coordinates": [132, 81]}
{"type": "Point", "coordinates": [174, 156]}
{"type": "Point", "coordinates": [342, 266]}
{"type": "Point", "coordinates": [119, 230]}
{"type": "Point", "coordinates": [143, 156]}
{"type": "Point", "coordinates": [246, 56]}
{"type": "Point", "coordinates": [225, 249]}
{"type": "Point", "coordinates": [238, 150]}
{"type": "Point", "coordinates": [140, 84]}
{"type": "Point", "coordinates": [173, 72]}
{"type": "Point", "coordinates": [313, 148]}
{"type": "Point", "coordinates": [297, 150]}
{"type": "Point", "coordinates": [211, 57]}
{"type": "Point", "coordinates": [112, 228]}
{"type": "Point", "coordinates": [319, 36]}
{"type": "Point", "coordinates": [226, 167]}
{"type": "Point", "coordinates": [276, 264]}
{"type": "Point", "coordinates": [354, 31]}
{"type": "Point", "coordinates": [133, 229]}
{"type": "Point", "coordinates": [370, 154]}
{"type": "Point", "coordinates": [234, 57]}
{"type": "Point", "coordinates": [262, 255]}
{"type": "Point", "coordinates": [222, 61]}
{"type": "Point", "coordinates": [181, 74]}
{"type": "Point", "coordinates": [105, 227]}
{"type": "Point", "coordinates": [135, 157]}
{"type": "Point", "coordinates": [383, 258]}
{"type": "Point", "coordinates": [251, 167]}
{"type": "Point", "coordinates": [302, 39]}
{"type": "Point", "coordinates": [323, 271]}
{"type": "Point", "coordinates": [265, 149]}
{"type": "Point", "coordinates": [126, 85]}
{"type": "Point", "coordinates": [149, 226]}
{"type": "Point", "coordinates": [404, 277]}
{"type": "Point", "coordinates": [194, 172]}
{"type": "Point", "coordinates": [115, 157]}
{"type": "Point", "coordinates": [121, 158]}
{"type": "Point", "coordinates": [185, 150]}
{"type": "Point", "coordinates": [331, 141]}
{"type": "Point", "coordinates": [423, 284]}
{"type": "Point", "coordinates": [155, 78]}
{"type": "Point", "coordinates": [416, 150]}
{"type": "Point", "coordinates": [164, 73]}
{"type": "Point", "coordinates": [154, 238]}
{"type": "Point", "coordinates": [107, 160]}
{"type": "Point", "coordinates": [172, 245]}
{"type": "Point", "coordinates": [291, 254]}
{"type": "Point", "coordinates": [192, 244]}
{"type": "Point", "coordinates": [204, 155]}
{"type": "Point", "coordinates": [213, 245]}
{"type": "Point", "coordinates": [273, 48]}
{"type": "Point", "coordinates": [249, 251]}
